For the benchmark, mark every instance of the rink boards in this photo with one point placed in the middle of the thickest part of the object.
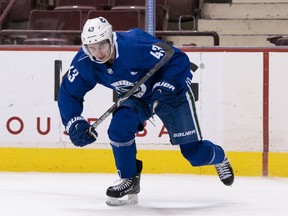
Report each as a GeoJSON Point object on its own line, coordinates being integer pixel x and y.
{"type": "Point", "coordinates": [241, 106]}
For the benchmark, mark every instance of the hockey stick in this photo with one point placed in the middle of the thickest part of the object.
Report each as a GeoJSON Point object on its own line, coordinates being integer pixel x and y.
{"type": "Point", "coordinates": [193, 67]}
{"type": "Point", "coordinates": [169, 51]}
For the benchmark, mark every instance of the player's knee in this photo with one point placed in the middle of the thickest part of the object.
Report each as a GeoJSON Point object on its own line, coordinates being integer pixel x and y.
{"type": "Point", "coordinates": [191, 152]}
{"type": "Point", "coordinates": [123, 125]}
{"type": "Point", "coordinates": [202, 153]}
{"type": "Point", "coordinates": [120, 134]}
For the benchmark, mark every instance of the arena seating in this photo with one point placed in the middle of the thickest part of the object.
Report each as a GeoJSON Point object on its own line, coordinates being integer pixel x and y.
{"type": "Point", "coordinates": [18, 14]}
{"type": "Point", "coordinates": [131, 17]}
{"type": "Point", "coordinates": [161, 11]}
{"type": "Point", "coordinates": [97, 4]}
{"type": "Point", "coordinates": [53, 20]}
{"type": "Point", "coordinates": [166, 11]}
{"type": "Point", "coordinates": [83, 8]}
{"type": "Point", "coordinates": [84, 5]}
{"type": "Point", "coordinates": [181, 14]}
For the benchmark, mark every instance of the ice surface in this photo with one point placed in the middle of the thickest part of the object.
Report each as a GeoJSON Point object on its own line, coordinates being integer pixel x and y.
{"type": "Point", "coordinates": [62, 194]}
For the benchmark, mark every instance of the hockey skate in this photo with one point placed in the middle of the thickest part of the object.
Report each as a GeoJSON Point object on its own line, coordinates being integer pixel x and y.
{"type": "Point", "coordinates": [225, 172]}
{"type": "Point", "coordinates": [125, 192]}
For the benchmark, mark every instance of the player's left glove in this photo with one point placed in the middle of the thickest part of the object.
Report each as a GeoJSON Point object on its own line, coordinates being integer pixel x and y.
{"type": "Point", "coordinates": [162, 100]}
{"type": "Point", "coordinates": [80, 132]}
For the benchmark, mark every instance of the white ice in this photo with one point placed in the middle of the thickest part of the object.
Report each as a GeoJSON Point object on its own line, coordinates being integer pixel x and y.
{"type": "Point", "coordinates": [60, 194]}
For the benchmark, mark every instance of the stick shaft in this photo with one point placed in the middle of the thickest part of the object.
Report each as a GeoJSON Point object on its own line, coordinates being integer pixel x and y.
{"type": "Point", "coordinates": [169, 51]}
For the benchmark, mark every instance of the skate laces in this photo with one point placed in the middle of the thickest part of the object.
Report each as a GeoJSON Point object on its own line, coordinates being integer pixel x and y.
{"type": "Point", "coordinates": [122, 184]}
{"type": "Point", "coordinates": [223, 169]}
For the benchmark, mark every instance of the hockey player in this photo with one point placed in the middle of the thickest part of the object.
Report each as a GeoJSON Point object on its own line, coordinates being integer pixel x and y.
{"type": "Point", "coordinates": [118, 60]}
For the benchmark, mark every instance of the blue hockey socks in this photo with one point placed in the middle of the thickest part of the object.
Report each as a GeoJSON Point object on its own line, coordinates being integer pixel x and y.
{"type": "Point", "coordinates": [125, 159]}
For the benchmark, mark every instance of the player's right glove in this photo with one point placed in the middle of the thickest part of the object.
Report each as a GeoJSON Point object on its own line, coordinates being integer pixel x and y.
{"type": "Point", "coordinates": [80, 132]}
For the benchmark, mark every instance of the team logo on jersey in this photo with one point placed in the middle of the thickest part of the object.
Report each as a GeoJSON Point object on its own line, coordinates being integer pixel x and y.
{"type": "Point", "coordinates": [123, 86]}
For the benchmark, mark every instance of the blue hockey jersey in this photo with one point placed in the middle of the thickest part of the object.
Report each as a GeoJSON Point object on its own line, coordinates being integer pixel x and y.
{"type": "Point", "coordinates": [136, 54]}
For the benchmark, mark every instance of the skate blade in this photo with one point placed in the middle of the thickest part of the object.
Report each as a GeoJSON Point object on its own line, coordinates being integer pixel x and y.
{"type": "Point", "coordinates": [132, 199]}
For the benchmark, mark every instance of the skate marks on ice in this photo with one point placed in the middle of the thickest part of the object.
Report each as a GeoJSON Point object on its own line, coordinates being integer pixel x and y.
{"type": "Point", "coordinates": [47, 194]}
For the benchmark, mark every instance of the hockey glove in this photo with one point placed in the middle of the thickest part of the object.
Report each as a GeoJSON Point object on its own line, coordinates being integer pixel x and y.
{"type": "Point", "coordinates": [161, 101]}
{"type": "Point", "coordinates": [80, 132]}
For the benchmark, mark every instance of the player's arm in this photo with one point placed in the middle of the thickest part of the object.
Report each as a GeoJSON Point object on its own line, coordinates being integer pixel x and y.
{"type": "Point", "coordinates": [70, 102]}
{"type": "Point", "coordinates": [170, 84]}
{"type": "Point", "coordinates": [165, 85]}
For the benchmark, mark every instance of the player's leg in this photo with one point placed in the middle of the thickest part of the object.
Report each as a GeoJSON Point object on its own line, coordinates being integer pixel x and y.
{"type": "Point", "coordinates": [184, 130]}
{"type": "Point", "coordinates": [202, 152]}
{"type": "Point", "coordinates": [217, 154]}
{"type": "Point", "coordinates": [123, 127]}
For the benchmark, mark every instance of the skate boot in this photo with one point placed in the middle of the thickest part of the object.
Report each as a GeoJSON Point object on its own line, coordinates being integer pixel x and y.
{"type": "Point", "coordinates": [225, 172]}
{"type": "Point", "coordinates": [125, 192]}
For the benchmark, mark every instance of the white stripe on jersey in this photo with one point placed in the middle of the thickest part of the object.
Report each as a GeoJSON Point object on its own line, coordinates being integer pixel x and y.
{"type": "Point", "coordinates": [190, 97]}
